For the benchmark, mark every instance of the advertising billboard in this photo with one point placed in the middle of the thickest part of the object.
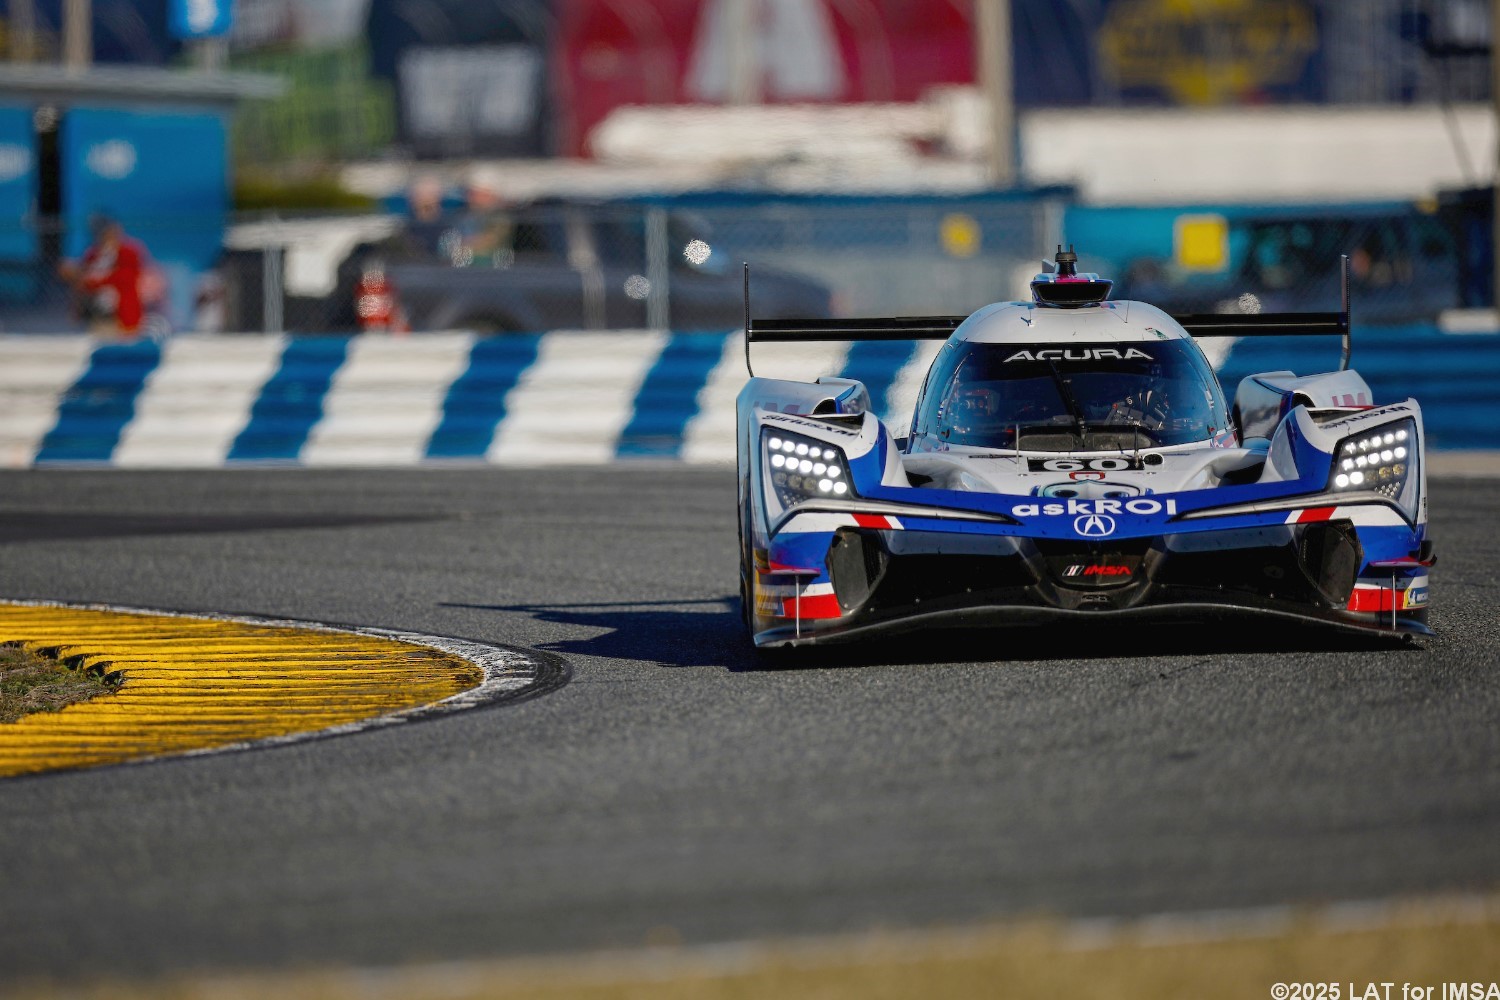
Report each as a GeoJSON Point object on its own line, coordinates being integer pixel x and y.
{"type": "Point", "coordinates": [17, 186]}
{"type": "Point", "coordinates": [470, 78]}
{"type": "Point", "coordinates": [163, 177]}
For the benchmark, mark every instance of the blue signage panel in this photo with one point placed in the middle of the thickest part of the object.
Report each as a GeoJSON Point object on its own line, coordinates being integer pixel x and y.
{"type": "Point", "coordinates": [200, 18]}
{"type": "Point", "coordinates": [17, 185]}
{"type": "Point", "coordinates": [164, 177]}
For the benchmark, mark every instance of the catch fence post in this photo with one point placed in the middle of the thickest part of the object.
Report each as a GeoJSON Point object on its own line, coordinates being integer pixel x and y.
{"type": "Point", "coordinates": [273, 304]}
{"type": "Point", "coordinates": [657, 275]}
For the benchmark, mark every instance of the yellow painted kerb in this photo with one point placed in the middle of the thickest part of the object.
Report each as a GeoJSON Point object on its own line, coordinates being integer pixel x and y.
{"type": "Point", "coordinates": [194, 684]}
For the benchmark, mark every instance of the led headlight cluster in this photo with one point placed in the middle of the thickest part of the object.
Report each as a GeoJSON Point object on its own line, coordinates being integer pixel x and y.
{"type": "Point", "coordinates": [1377, 460]}
{"type": "Point", "coordinates": [803, 469]}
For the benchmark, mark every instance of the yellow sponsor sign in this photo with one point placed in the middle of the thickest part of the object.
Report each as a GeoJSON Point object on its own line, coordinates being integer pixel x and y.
{"type": "Point", "coordinates": [1206, 51]}
{"type": "Point", "coordinates": [1201, 242]}
{"type": "Point", "coordinates": [961, 235]}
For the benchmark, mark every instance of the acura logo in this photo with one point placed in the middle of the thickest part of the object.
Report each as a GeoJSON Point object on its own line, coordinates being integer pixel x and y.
{"type": "Point", "coordinates": [1094, 525]}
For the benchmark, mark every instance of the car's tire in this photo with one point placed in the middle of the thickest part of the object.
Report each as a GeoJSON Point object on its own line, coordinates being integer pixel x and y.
{"type": "Point", "coordinates": [747, 600]}
{"type": "Point", "coordinates": [747, 590]}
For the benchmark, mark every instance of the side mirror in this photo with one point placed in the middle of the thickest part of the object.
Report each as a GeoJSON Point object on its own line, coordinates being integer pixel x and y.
{"type": "Point", "coordinates": [1257, 407]}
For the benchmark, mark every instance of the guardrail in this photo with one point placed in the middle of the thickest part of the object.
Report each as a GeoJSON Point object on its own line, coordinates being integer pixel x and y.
{"type": "Point", "coordinates": [538, 399]}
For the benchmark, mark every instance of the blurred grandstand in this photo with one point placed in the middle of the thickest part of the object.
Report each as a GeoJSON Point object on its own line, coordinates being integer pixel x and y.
{"type": "Point", "coordinates": [1201, 152]}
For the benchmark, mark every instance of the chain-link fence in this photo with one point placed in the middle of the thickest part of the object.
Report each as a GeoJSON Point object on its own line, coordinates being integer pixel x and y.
{"type": "Point", "coordinates": [1405, 264]}
{"type": "Point", "coordinates": [551, 266]}
{"type": "Point", "coordinates": [677, 265]}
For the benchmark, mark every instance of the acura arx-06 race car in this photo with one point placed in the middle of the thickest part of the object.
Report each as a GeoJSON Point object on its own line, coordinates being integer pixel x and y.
{"type": "Point", "coordinates": [1073, 456]}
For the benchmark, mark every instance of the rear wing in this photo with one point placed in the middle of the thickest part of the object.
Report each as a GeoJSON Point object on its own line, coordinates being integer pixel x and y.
{"type": "Point", "coordinates": [1283, 324]}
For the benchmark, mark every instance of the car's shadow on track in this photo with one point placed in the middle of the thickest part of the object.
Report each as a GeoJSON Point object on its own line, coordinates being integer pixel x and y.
{"type": "Point", "coordinates": [708, 633]}
{"type": "Point", "coordinates": [692, 633]}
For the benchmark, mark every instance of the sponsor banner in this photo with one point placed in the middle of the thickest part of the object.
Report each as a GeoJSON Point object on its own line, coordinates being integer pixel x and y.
{"type": "Point", "coordinates": [150, 170]}
{"type": "Point", "coordinates": [17, 185]}
{"type": "Point", "coordinates": [164, 177]}
{"type": "Point", "coordinates": [470, 78]}
{"type": "Point", "coordinates": [820, 51]}
{"type": "Point", "coordinates": [1082, 53]}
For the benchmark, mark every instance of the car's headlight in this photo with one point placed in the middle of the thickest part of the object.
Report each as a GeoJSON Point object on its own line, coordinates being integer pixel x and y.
{"type": "Point", "coordinates": [1380, 459]}
{"type": "Point", "coordinates": [804, 469]}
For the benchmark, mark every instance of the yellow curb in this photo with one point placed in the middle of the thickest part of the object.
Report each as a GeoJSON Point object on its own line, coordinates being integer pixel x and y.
{"type": "Point", "coordinates": [195, 684]}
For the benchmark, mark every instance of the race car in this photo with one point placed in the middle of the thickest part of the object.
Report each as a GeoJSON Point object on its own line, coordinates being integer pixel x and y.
{"type": "Point", "coordinates": [1074, 457]}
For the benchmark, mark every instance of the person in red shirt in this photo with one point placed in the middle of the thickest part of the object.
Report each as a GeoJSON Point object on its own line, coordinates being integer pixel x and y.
{"type": "Point", "coordinates": [108, 279]}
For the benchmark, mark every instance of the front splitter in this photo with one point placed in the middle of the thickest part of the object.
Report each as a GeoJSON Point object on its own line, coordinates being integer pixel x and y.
{"type": "Point", "coordinates": [1202, 612]}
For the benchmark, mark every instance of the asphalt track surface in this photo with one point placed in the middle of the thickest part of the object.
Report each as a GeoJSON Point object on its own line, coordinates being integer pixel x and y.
{"type": "Point", "coordinates": [679, 787]}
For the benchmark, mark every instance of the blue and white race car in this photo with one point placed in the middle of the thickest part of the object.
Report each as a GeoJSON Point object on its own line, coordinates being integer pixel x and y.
{"type": "Point", "coordinates": [1074, 457]}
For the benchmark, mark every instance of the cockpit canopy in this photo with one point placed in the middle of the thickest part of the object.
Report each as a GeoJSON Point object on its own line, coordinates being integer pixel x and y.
{"type": "Point", "coordinates": [1074, 397]}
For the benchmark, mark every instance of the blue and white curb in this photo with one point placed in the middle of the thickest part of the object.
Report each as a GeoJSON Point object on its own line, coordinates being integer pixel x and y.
{"type": "Point", "coordinates": [565, 397]}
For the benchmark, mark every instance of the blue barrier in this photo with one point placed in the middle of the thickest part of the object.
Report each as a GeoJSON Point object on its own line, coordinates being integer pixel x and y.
{"type": "Point", "coordinates": [1456, 378]}
{"type": "Point", "coordinates": [475, 402]}
{"type": "Point", "coordinates": [678, 389]}
{"type": "Point", "coordinates": [291, 403]}
{"type": "Point", "coordinates": [668, 398]}
{"type": "Point", "coordinates": [94, 411]}
{"type": "Point", "coordinates": [876, 363]}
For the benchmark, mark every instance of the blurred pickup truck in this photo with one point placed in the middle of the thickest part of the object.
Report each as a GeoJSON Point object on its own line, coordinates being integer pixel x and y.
{"type": "Point", "coordinates": [547, 267]}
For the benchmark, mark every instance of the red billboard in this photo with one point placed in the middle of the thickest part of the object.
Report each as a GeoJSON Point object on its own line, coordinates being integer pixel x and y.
{"type": "Point", "coordinates": [611, 53]}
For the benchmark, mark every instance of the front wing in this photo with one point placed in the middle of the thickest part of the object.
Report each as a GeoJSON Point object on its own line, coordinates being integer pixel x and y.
{"type": "Point", "coordinates": [829, 576]}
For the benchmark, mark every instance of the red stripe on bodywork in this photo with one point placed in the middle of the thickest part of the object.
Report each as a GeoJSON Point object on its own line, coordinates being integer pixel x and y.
{"type": "Point", "coordinates": [816, 606]}
{"type": "Point", "coordinates": [1373, 599]}
{"type": "Point", "coordinates": [783, 568]}
{"type": "Point", "coordinates": [1314, 514]}
{"type": "Point", "coordinates": [871, 521]}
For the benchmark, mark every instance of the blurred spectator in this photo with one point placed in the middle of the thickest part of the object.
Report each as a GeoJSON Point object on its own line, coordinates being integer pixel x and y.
{"type": "Point", "coordinates": [485, 230]}
{"type": "Point", "coordinates": [107, 280]}
{"type": "Point", "coordinates": [210, 304]}
{"type": "Point", "coordinates": [428, 222]}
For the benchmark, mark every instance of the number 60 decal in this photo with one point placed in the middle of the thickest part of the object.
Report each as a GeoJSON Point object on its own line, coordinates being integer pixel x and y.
{"type": "Point", "coordinates": [1082, 464]}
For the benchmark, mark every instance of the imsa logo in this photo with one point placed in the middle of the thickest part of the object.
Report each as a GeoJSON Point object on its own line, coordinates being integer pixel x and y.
{"type": "Point", "coordinates": [1096, 572]}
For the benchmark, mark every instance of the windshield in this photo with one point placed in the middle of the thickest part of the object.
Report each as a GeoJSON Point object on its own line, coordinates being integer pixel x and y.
{"type": "Point", "coordinates": [1081, 397]}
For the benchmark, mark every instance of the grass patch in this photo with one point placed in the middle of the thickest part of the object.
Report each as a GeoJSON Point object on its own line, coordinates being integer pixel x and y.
{"type": "Point", "coordinates": [32, 683]}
